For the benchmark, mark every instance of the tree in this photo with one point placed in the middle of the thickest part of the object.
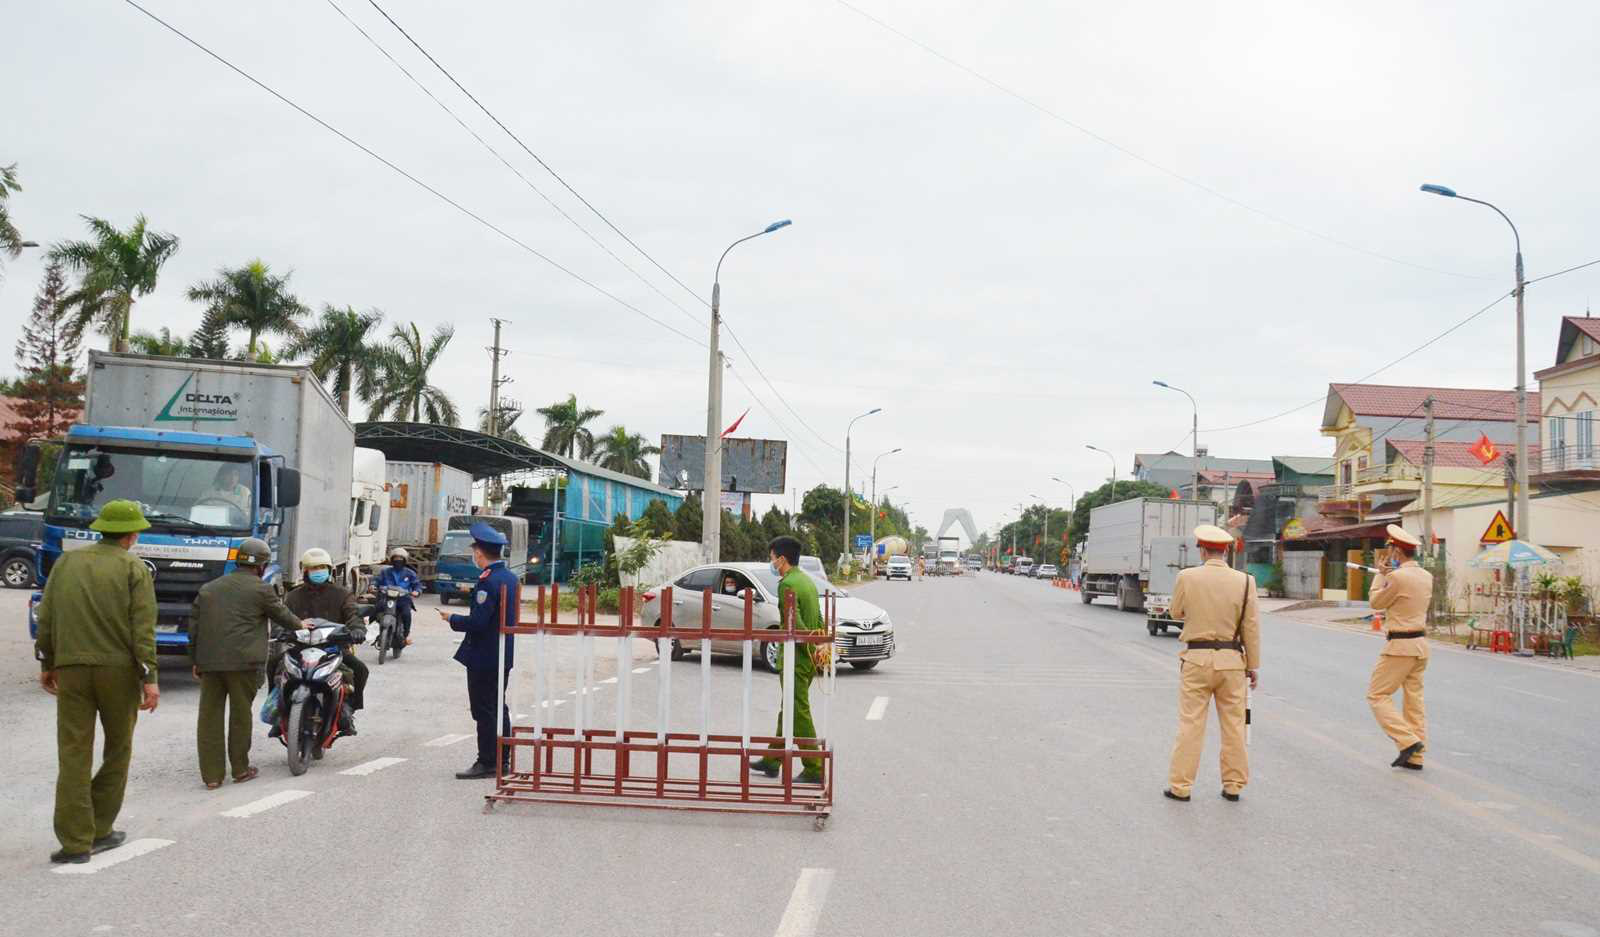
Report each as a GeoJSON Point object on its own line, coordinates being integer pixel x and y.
{"type": "Point", "coordinates": [403, 387]}
{"type": "Point", "coordinates": [164, 343]}
{"type": "Point", "coordinates": [114, 267]}
{"type": "Point", "coordinates": [687, 520]}
{"type": "Point", "coordinates": [343, 350]}
{"type": "Point", "coordinates": [565, 428]}
{"type": "Point", "coordinates": [505, 425]}
{"type": "Point", "coordinates": [10, 237]}
{"type": "Point", "coordinates": [49, 390]}
{"type": "Point", "coordinates": [254, 299]}
{"type": "Point", "coordinates": [656, 519]}
{"type": "Point", "coordinates": [211, 339]}
{"type": "Point", "coordinates": [1095, 498]}
{"type": "Point", "coordinates": [622, 451]}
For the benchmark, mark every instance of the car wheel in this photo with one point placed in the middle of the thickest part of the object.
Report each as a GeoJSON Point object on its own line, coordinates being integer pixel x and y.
{"type": "Point", "coordinates": [17, 573]}
{"type": "Point", "coordinates": [864, 664]}
{"type": "Point", "coordinates": [678, 653]}
{"type": "Point", "coordinates": [770, 651]}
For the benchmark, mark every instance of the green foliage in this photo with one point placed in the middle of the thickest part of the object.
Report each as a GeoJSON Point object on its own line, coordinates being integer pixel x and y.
{"type": "Point", "coordinates": [49, 390]}
{"type": "Point", "coordinates": [566, 428]}
{"type": "Point", "coordinates": [622, 451]}
{"type": "Point", "coordinates": [402, 384]}
{"type": "Point", "coordinates": [1102, 495]}
{"type": "Point", "coordinates": [211, 339]}
{"type": "Point", "coordinates": [163, 343]}
{"type": "Point", "coordinates": [344, 352]}
{"type": "Point", "coordinates": [686, 522]}
{"type": "Point", "coordinates": [656, 521]}
{"type": "Point", "coordinates": [10, 238]}
{"type": "Point", "coordinates": [505, 424]}
{"type": "Point", "coordinates": [114, 267]}
{"type": "Point", "coordinates": [590, 574]}
{"type": "Point", "coordinates": [1274, 583]}
{"type": "Point", "coordinates": [254, 299]}
{"type": "Point", "coordinates": [1576, 595]}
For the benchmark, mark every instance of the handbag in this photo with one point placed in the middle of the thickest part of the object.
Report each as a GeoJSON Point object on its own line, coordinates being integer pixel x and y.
{"type": "Point", "coordinates": [269, 706]}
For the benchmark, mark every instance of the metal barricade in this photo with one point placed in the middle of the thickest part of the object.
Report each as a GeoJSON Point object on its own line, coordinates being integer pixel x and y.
{"type": "Point", "coordinates": [585, 763]}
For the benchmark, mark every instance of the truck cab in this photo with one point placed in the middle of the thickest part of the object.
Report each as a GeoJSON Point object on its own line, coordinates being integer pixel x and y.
{"type": "Point", "coordinates": [456, 574]}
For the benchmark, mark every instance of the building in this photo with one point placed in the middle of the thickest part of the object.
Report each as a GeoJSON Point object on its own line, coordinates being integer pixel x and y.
{"type": "Point", "coordinates": [1173, 471]}
{"type": "Point", "coordinates": [1570, 395]}
{"type": "Point", "coordinates": [1266, 513]}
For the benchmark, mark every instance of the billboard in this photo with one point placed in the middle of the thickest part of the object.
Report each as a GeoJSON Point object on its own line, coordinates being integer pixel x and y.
{"type": "Point", "coordinates": [759, 466]}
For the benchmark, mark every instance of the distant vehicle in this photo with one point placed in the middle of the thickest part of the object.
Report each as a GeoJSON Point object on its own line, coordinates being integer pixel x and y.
{"type": "Point", "coordinates": [455, 573]}
{"type": "Point", "coordinates": [20, 533]}
{"type": "Point", "coordinates": [974, 563]}
{"type": "Point", "coordinates": [1129, 539]}
{"type": "Point", "coordinates": [885, 549]}
{"type": "Point", "coordinates": [949, 556]}
{"type": "Point", "coordinates": [1045, 571]}
{"type": "Point", "coordinates": [899, 567]}
{"type": "Point", "coordinates": [1022, 565]}
{"type": "Point", "coordinates": [369, 517]}
{"type": "Point", "coordinates": [865, 636]}
{"type": "Point", "coordinates": [813, 565]}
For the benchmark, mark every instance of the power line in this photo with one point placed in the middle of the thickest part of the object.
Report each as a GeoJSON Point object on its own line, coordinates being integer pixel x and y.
{"type": "Point", "coordinates": [1137, 157]}
{"type": "Point", "coordinates": [1560, 272]}
{"type": "Point", "coordinates": [408, 176]}
{"type": "Point", "coordinates": [763, 405]}
{"type": "Point", "coordinates": [781, 399]}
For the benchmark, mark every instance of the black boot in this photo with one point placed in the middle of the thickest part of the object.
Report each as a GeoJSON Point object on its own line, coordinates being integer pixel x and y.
{"type": "Point", "coordinates": [1415, 748]}
{"type": "Point", "coordinates": [347, 720]}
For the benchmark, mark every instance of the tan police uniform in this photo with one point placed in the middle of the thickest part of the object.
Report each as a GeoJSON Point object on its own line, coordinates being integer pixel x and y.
{"type": "Point", "coordinates": [1403, 596]}
{"type": "Point", "coordinates": [1222, 637]}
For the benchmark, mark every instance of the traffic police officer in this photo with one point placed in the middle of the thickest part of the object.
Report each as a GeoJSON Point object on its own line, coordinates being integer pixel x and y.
{"type": "Point", "coordinates": [228, 642]}
{"type": "Point", "coordinates": [1222, 638]}
{"type": "Point", "coordinates": [1403, 593]}
{"type": "Point", "coordinates": [496, 601]}
{"type": "Point", "coordinates": [96, 645]}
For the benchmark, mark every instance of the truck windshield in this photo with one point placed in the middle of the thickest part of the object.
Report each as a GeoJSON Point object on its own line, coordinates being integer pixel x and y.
{"type": "Point", "coordinates": [457, 545]}
{"type": "Point", "coordinates": [177, 491]}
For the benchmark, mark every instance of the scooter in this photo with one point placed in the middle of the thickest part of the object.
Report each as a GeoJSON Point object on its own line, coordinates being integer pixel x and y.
{"type": "Point", "coordinates": [386, 615]}
{"type": "Point", "coordinates": [312, 689]}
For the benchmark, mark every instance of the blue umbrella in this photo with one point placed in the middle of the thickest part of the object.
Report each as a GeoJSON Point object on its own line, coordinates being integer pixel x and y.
{"type": "Point", "coordinates": [1514, 553]}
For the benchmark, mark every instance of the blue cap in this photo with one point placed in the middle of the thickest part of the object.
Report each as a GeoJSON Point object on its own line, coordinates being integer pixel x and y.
{"type": "Point", "coordinates": [483, 533]}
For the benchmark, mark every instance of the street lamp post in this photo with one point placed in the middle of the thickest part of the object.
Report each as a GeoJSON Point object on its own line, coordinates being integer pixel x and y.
{"type": "Point", "coordinates": [1044, 540]}
{"type": "Point", "coordinates": [1014, 532]}
{"type": "Point", "coordinates": [1072, 501]}
{"type": "Point", "coordinates": [1113, 470]}
{"type": "Point", "coordinates": [872, 524]}
{"type": "Point", "coordinates": [847, 495]}
{"type": "Point", "coordinates": [1194, 432]}
{"type": "Point", "coordinates": [711, 492]}
{"type": "Point", "coordinates": [1523, 522]}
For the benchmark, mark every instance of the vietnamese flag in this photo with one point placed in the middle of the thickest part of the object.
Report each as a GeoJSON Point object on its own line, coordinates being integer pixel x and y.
{"type": "Point", "coordinates": [729, 430]}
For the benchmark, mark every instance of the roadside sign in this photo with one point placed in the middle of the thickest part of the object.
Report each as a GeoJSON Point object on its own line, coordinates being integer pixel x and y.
{"type": "Point", "coordinates": [1498, 531]}
{"type": "Point", "coordinates": [863, 541]}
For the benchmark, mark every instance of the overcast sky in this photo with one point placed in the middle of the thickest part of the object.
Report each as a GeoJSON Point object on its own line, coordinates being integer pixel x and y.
{"type": "Point", "coordinates": [1003, 285]}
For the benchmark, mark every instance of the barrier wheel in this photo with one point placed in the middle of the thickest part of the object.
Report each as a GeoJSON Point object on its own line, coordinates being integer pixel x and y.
{"type": "Point", "coordinates": [488, 805]}
{"type": "Point", "coordinates": [819, 824]}
{"type": "Point", "coordinates": [1153, 628]}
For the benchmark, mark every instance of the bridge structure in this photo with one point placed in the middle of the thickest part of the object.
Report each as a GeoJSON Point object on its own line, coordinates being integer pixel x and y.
{"type": "Point", "coordinates": [962, 516]}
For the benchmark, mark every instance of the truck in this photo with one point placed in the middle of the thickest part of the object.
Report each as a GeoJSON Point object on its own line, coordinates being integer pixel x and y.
{"type": "Point", "coordinates": [885, 548]}
{"type": "Point", "coordinates": [214, 452]}
{"type": "Point", "coordinates": [423, 496]}
{"type": "Point", "coordinates": [369, 516]}
{"type": "Point", "coordinates": [455, 573]}
{"type": "Point", "coordinates": [1129, 538]}
{"type": "Point", "coordinates": [949, 556]}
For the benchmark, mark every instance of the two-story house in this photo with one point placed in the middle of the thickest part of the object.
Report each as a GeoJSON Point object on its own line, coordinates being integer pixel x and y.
{"type": "Point", "coordinates": [1570, 398]}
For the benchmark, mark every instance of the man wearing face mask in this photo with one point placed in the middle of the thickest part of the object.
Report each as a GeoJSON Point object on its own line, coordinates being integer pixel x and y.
{"type": "Point", "coordinates": [318, 596]}
{"type": "Point", "coordinates": [784, 560]}
{"type": "Point", "coordinates": [398, 575]}
{"type": "Point", "coordinates": [497, 601]}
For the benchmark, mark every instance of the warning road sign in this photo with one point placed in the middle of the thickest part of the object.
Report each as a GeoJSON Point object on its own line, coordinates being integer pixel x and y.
{"type": "Point", "coordinates": [1498, 531]}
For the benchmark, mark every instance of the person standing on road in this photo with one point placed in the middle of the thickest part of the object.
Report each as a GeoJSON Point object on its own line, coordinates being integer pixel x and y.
{"type": "Point", "coordinates": [784, 557]}
{"type": "Point", "coordinates": [398, 575]}
{"type": "Point", "coordinates": [318, 596]}
{"type": "Point", "coordinates": [1404, 593]}
{"type": "Point", "coordinates": [1222, 638]}
{"type": "Point", "coordinates": [496, 602]}
{"type": "Point", "coordinates": [96, 646]}
{"type": "Point", "coordinates": [228, 640]}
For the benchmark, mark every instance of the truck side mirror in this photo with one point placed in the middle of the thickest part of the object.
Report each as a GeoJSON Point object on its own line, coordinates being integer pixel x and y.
{"type": "Point", "coordinates": [288, 493]}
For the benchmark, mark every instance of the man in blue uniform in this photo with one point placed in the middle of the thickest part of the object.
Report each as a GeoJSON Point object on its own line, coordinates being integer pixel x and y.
{"type": "Point", "coordinates": [496, 601]}
{"type": "Point", "coordinates": [399, 575]}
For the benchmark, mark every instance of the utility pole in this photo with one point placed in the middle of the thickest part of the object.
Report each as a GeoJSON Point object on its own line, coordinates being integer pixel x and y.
{"type": "Point", "coordinates": [711, 491]}
{"type": "Point", "coordinates": [1427, 484]}
{"type": "Point", "coordinates": [496, 497]}
{"type": "Point", "coordinates": [1511, 494]}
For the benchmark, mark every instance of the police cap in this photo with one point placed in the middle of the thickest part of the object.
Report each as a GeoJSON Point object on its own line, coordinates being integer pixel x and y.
{"type": "Point", "coordinates": [1400, 536]}
{"type": "Point", "coordinates": [1210, 535]}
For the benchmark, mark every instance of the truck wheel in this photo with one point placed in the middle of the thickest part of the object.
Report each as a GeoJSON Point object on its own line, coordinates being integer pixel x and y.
{"type": "Point", "coordinates": [1153, 628]}
{"type": "Point", "coordinates": [1122, 601]}
{"type": "Point", "coordinates": [1086, 595]}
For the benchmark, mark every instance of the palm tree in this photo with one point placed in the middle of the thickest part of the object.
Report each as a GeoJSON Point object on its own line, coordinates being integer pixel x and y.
{"type": "Point", "coordinates": [402, 384]}
{"type": "Point", "coordinates": [506, 424]}
{"type": "Point", "coordinates": [113, 267]}
{"type": "Point", "coordinates": [342, 347]}
{"type": "Point", "coordinates": [10, 237]}
{"type": "Point", "coordinates": [252, 298]}
{"type": "Point", "coordinates": [565, 429]}
{"type": "Point", "coordinates": [622, 451]}
{"type": "Point", "coordinates": [150, 343]}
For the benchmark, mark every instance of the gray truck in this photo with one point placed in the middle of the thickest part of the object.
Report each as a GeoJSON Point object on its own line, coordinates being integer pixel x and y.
{"type": "Point", "coordinates": [1135, 549]}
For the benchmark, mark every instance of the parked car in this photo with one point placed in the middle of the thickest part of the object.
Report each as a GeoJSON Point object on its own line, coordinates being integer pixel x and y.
{"type": "Point", "coordinates": [974, 563]}
{"type": "Point", "coordinates": [899, 567]}
{"type": "Point", "coordinates": [865, 634]}
{"type": "Point", "coordinates": [20, 533]}
{"type": "Point", "coordinates": [1044, 571]}
{"type": "Point", "coordinates": [813, 565]}
{"type": "Point", "coordinates": [1022, 567]}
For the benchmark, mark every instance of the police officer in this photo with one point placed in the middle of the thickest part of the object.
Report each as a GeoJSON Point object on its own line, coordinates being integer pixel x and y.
{"type": "Point", "coordinates": [496, 601]}
{"type": "Point", "coordinates": [1404, 593]}
{"type": "Point", "coordinates": [318, 596]}
{"type": "Point", "coordinates": [96, 645]}
{"type": "Point", "coordinates": [1222, 638]}
{"type": "Point", "coordinates": [399, 575]}
{"type": "Point", "coordinates": [228, 642]}
{"type": "Point", "coordinates": [783, 556]}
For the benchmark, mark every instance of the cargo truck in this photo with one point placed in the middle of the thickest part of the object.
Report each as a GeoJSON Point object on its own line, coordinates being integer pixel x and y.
{"type": "Point", "coordinates": [1128, 538]}
{"type": "Point", "coordinates": [214, 452]}
{"type": "Point", "coordinates": [949, 556]}
{"type": "Point", "coordinates": [369, 517]}
{"type": "Point", "coordinates": [456, 574]}
{"type": "Point", "coordinates": [422, 498]}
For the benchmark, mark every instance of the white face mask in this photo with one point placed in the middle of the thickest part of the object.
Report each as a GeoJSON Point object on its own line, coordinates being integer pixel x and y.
{"type": "Point", "coordinates": [773, 565]}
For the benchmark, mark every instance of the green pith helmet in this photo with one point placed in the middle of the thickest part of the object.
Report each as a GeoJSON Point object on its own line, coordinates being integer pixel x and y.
{"type": "Point", "coordinates": [119, 518]}
{"type": "Point", "coordinates": [253, 552]}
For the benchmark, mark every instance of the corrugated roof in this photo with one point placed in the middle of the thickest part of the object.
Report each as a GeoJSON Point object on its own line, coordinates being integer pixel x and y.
{"type": "Point", "coordinates": [1305, 464]}
{"type": "Point", "coordinates": [1445, 454]}
{"type": "Point", "coordinates": [1223, 475]}
{"type": "Point", "coordinates": [1174, 461]}
{"type": "Point", "coordinates": [1449, 403]}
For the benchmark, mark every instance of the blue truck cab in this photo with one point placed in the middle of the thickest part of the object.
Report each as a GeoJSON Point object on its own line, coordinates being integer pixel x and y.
{"type": "Point", "coordinates": [203, 495]}
{"type": "Point", "coordinates": [455, 575]}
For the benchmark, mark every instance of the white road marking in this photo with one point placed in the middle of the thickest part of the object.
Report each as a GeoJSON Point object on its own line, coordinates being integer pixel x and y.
{"type": "Point", "coordinates": [444, 740]}
{"type": "Point", "coordinates": [641, 670]}
{"type": "Point", "coordinates": [368, 767]}
{"type": "Point", "coordinates": [132, 849]}
{"type": "Point", "coordinates": [805, 903]}
{"type": "Point", "coordinates": [608, 680]}
{"type": "Point", "coordinates": [1513, 689]}
{"type": "Point", "coordinates": [266, 803]}
{"type": "Point", "coordinates": [875, 711]}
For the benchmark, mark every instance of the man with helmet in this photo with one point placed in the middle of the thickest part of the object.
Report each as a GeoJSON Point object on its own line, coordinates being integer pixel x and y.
{"type": "Point", "coordinates": [399, 575]}
{"type": "Point", "coordinates": [228, 643]}
{"type": "Point", "coordinates": [1404, 592]}
{"type": "Point", "coordinates": [496, 601]}
{"type": "Point", "coordinates": [318, 596]}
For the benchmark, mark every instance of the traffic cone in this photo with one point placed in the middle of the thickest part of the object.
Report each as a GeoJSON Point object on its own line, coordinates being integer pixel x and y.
{"type": "Point", "coordinates": [1377, 621]}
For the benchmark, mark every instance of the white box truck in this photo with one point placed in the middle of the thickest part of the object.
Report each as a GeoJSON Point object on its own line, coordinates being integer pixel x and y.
{"type": "Point", "coordinates": [1129, 537]}
{"type": "Point", "coordinates": [423, 496]}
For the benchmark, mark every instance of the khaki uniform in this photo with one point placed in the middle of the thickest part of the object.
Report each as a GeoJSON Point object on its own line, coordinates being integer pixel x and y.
{"type": "Point", "coordinates": [228, 645]}
{"type": "Point", "coordinates": [97, 631]}
{"type": "Point", "coordinates": [1403, 596]}
{"type": "Point", "coordinates": [1209, 599]}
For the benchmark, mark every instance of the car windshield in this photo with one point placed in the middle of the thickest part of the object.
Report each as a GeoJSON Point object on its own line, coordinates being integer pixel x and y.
{"type": "Point", "coordinates": [457, 545]}
{"type": "Point", "coordinates": [189, 492]}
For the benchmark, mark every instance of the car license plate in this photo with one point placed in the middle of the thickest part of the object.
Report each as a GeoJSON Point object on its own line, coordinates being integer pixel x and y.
{"type": "Point", "coordinates": [464, 587]}
{"type": "Point", "coordinates": [869, 640]}
{"type": "Point", "coordinates": [166, 629]}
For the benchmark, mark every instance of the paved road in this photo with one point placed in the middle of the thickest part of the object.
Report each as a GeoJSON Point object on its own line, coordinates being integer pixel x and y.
{"type": "Point", "coordinates": [1010, 785]}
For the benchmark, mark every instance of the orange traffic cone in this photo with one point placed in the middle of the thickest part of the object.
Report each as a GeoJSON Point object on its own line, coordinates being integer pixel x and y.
{"type": "Point", "coordinates": [1377, 621]}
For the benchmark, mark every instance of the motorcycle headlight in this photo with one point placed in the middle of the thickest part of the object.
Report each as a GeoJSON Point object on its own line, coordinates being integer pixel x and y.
{"type": "Point", "coordinates": [291, 665]}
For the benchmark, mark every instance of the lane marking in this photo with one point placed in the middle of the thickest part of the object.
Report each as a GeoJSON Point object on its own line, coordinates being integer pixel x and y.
{"type": "Point", "coordinates": [608, 680]}
{"type": "Point", "coordinates": [368, 767]}
{"type": "Point", "coordinates": [805, 903]}
{"type": "Point", "coordinates": [641, 670]}
{"type": "Point", "coordinates": [875, 711]}
{"type": "Point", "coordinates": [132, 849]}
{"type": "Point", "coordinates": [266, 803]}
{"type": "Point", "coordinates": [1553, 699]}
{"type": "Point", "coordinates": [444, 740]}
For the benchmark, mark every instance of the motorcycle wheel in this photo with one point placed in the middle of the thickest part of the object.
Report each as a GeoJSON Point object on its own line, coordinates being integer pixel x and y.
{"type": "Point", "coordinates": [294, 735]}
{"type": "Point", "coordinates": [383, 642]}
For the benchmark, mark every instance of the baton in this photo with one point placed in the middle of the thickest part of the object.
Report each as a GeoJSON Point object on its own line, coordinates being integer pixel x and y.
{"type": "Point", "coordinates": [1370, 569]}
{"type": "Point", "coordinates": [1248, 696]}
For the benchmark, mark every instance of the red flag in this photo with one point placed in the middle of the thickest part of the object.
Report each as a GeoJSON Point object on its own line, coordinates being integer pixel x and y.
{"type": "Point", "coordinates": [1174, 495]}
{"type": "Point", "coordinates": [736, 423]}
{"type": "Point", "coordinates": [1484, 450]}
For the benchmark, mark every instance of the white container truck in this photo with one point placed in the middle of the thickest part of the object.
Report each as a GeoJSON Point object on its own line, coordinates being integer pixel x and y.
{"type": "Point", "coordinates": [369, 517]}
{"type": "Point", "coordinates": [423, 496]}
{"type": "Point", "coordinates": [1128, 538]}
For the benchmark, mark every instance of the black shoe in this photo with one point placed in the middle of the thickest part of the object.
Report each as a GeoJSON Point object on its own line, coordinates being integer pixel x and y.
{"type": "Point", "coordinates": [1415, 748]}
{"type": "Point", "coordinates": [111, 840]}
{"type": "Point", "coordinates": [1411, 766]}
{"type": "Point", "coordinates": [62, 857]}
{"type": "Point", "coordinates": [477, 772]}
{"type": "Point", "coordinates": [765, 766]}
{"type": "Point", "coordinates": [1184, 798]}
{"type": "Point", "coordinates": [807, 777]}
{"type": "Point", "coordinates": [1231, 798]}
{"type": "Point", "coordinates": [277, 731]}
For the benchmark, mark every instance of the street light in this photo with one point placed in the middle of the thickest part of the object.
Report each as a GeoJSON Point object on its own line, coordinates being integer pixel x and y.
{"type": "Point", "coordinates": [1072, 501]}
{"type": "Point", "coordinates": [872, 525]}
{"type": "Point", "coordinates": [711, 494]}
{"type": "Point", "coordinates": [847, 494]}
{"type": "Point", "coordinates": [1014, 532]}
{"type": "Point", "coordinates": [1113, 469]}
{"type": "Point", "coordinates": [29, 244]}
{"type": "Point", "coordinates": [1045, 540]}
{"type": "Point", "coordinates": [1195, 432]}
{"type": "Point", "coordinates": [1523, 522]}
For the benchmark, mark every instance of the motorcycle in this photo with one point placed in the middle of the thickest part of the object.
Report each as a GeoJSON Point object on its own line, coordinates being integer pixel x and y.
{"type": "Point", "coordinates": [386, 615]}
{"type": "Point", "coordinates": [312, 689]}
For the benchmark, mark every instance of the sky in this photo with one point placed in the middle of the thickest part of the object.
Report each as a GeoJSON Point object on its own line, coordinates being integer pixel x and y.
{"type": "Point", "coordinates": [1000, 242]}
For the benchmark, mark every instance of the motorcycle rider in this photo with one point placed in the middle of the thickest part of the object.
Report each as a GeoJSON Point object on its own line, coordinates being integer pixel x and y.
{"type": "Point", "coordinates": [318, 596]}
{"type": "Point", "coordinates": [399, 575]}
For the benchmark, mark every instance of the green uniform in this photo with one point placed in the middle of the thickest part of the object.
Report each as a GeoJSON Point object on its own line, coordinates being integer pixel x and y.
{"type": "Point", "coordinates": [97, 631]}
{"type": "Point", "coordinates": [804, 589]}
{"type": "Point", "coordinates": [228, 645]}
